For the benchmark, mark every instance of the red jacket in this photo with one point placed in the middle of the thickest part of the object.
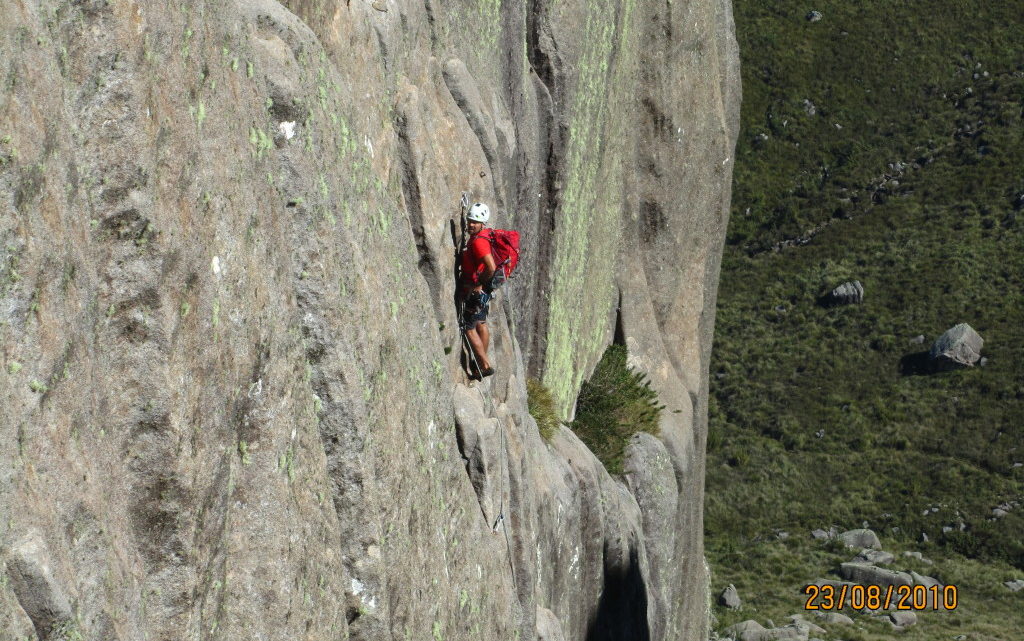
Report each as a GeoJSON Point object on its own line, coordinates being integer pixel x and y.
{"type": "Point", "coordinates": [477, 249]}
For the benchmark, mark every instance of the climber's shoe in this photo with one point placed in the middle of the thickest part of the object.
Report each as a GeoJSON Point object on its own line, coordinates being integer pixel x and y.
{"type": "Point", "coordinates": [487, 372]}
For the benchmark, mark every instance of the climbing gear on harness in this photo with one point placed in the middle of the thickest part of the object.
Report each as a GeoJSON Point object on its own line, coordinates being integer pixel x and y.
{"type": "Point", "coordinates": [475, 301]}
{"type": "Point", "coordinates": [479, 212]}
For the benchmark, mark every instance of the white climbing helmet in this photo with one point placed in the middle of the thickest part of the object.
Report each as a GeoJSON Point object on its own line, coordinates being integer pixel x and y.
{"type": "Point", "coordinates": [479, 212]}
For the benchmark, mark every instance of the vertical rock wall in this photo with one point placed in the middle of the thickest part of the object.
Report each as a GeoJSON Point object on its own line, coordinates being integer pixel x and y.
{"type": "Point", "coordinates": [231, 402]}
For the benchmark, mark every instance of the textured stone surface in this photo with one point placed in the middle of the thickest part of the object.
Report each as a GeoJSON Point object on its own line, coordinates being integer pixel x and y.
{"type": "Point", "coordinates": [861, 538]}
{"type": "Point", "coordinates": [231, 397]}
{"type": "Point", "coordinates": [850, 293]}
{"type": "Point", "coordinates": [730, 598]}
{"type": "Point", "coordinates": [833, 618]}
{"type": "Point", "coordinates": [913, 554]}
{"type": "Point", "coordinates": [38, 591]}
{"type": "Point", "coordinates": [866, 574]}
{"type": "Point", "coordinates": [903, 618]}
{"type": "Point", "coordinates": [958, 346]}
{"type": "Point", "coordinates": [749, 630]}
{"type": "Point", "coordinates": [754, 631]}
{"type": "Point", "coordinates": [868, 555]}
{"type": "Point", "coordinates": [549, 628]}
{"type": "Point", "coordinates": [921, 579]}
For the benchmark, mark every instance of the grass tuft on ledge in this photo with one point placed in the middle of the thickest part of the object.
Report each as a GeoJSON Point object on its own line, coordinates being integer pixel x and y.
{"type": "Point", "coordinates": [542, 408]}
{"type": "Point", "coordinates": [613, 405]}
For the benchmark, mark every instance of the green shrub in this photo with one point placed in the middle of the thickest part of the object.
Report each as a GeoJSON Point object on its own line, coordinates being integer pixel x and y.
{"type": "Point", "coordinates": [613, 405]}
{"type": "Point", "coordinates": [542, 408]}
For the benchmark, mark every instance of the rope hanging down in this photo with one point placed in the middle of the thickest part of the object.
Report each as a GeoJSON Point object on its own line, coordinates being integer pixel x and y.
{"type": "Point", "coordinates": [503, 454]}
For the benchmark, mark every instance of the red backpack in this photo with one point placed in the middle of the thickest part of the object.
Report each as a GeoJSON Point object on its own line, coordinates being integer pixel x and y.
{"type": "Point", "coordinates": [505, 247]}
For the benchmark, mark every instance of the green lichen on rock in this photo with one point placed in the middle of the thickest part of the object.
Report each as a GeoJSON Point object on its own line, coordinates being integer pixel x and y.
{"type": "Point", "coordinates": [588, 223]}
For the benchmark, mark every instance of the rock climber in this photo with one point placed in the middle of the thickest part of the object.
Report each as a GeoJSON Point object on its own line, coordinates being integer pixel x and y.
{"type": "Point", "coordinates": [477, 269]}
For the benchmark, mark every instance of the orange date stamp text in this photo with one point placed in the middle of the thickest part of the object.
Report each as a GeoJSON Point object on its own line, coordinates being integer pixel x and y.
{"type": "Point", "coordinates": [881, 597]}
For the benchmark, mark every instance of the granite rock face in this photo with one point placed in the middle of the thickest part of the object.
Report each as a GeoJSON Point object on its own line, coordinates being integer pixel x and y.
{"type": "Point", "coordinates": [231, 397]}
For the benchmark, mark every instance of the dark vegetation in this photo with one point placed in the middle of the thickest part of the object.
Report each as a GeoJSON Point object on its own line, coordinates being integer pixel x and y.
{"type": "Point", "coordinates": [883, 143]}
{"type": "Point", "coordinates": [613, 405]}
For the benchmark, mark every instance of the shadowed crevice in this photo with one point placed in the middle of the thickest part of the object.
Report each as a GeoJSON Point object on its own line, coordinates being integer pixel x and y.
{"type": "Point", "coordinates": [622, 611]}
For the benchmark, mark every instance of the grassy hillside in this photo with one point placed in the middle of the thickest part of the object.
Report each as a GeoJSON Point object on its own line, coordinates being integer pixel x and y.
{"type": "Point", "coordinates": [884, 143]}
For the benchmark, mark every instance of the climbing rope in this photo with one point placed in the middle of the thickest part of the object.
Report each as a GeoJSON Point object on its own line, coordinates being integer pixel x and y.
{"type": "Point", "coordinates": [503, 454]}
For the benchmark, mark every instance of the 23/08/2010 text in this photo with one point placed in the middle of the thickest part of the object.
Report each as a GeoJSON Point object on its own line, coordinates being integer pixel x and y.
{"type": "Point", "coordinates": [881, 597]}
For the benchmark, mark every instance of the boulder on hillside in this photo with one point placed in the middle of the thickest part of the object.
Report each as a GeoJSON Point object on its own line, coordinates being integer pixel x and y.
{"type": "Point", "coordinates": [753, 631]}
{"type": "Point", "coordinates": [749, 630]}
{"type": "Point", "coordinates": [730, 598]}
{"type": "Point", "coordinates": [832, 532]}
{"type": "Point", "coordinates": [873, 557]}
{"type": "Point", "coordinates": [849, 293]}
{"type": "Point", "coordinates": [870, 575]}
{"type": "Point", "coordinates": [959, 346]}
{"type": "Point", "coordinates": [834, 618]}
{"type": "Point", "coordinates": [805, 626]}
{"type": "Point", "coordinates": [835, 583]}
{"type": "Point", "coordinates": [1015, 586]}
{"type": "Point", "coordinates": [861, 538]}
{"type": "Point", "coordinates": [792, 632]}
{"type": "Point", "coordinates": [918, 556]}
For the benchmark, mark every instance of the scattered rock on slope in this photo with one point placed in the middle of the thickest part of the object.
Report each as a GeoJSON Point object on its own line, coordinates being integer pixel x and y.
{"type": "Point", "coordinates": [903, 618]}
{"type": "Point", "coordinates": [834, 617]}
{"type": "Point", "coordinates": [959, 346]}
{"type": "Point", "coordinates": [926, 581]}
{"type": "Point", "coordinates": [873, 557]}
{"type": "Point", "coordinates": [832, 532]}
{"type": "Point", "coordinates": [870, 575]}
{"type": "Point", "coordinates": [849, 293]}
{"type": "Point", "coordinates": [751, 630]}
{"type": "Point", "coordinates": [861, 538]}
{"type": "Point", "coordinates": [917, 555]}
{"type": "Point", "coordinates": [730, 598]}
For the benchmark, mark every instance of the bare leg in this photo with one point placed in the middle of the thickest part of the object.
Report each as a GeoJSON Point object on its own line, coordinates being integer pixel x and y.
{"type": "Point", "coordinates": [478, 346]}
{"type": "Point", "coordinates": [485, 337]}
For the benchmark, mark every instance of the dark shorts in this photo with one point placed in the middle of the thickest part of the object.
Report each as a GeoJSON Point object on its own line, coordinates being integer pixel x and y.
{"type": "Point", "coordinates": [475, 311]}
